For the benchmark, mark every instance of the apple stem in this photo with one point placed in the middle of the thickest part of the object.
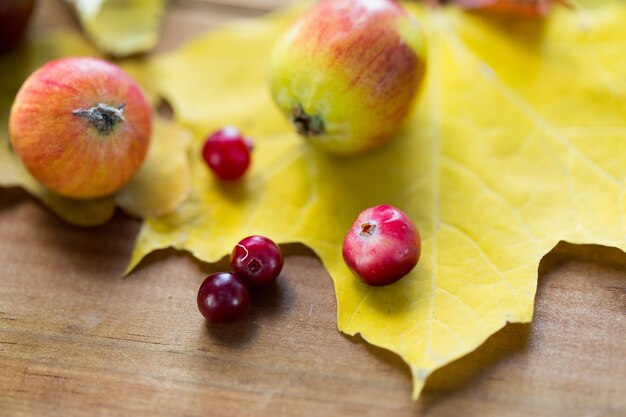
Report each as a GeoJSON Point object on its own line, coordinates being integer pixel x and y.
{"type": "Point", "coordinates": [102, 116]}
{"type": "Point", "coordinates": [306, 125]}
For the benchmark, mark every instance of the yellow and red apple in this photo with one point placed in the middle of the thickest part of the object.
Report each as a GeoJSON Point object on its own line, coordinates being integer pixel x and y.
{"type": "Point", "coordinates": [81, 126]}
{"type": "Point", "coordinates": [347, 72]}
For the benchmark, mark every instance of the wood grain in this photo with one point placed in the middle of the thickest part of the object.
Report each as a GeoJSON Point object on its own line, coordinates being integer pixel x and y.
{"type": "Point", "coordinates": [77, 340]}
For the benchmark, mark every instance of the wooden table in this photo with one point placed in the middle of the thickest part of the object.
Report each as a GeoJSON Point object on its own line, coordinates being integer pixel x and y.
{"type": "Point", "coordinates": [76, 339]}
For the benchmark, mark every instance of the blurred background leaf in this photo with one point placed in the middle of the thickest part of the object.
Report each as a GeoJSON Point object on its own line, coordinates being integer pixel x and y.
{"type": "Point", "coordinates": [121, 27]}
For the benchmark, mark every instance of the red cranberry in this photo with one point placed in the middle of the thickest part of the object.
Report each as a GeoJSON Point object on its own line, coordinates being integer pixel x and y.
{"type": "Point", "coordinates": [382, 246]}
{"type": "Point", "coordinates": [222, 297]}
{"type": "Point", "coordinates": [257, 260]}
{"type": "Point", "coordinates": [227, 153]}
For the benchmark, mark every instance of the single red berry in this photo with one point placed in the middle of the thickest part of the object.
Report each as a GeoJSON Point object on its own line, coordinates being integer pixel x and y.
{"type": "Point", "coordinates": [222, 297]}
{"type": "Point", "coordinates": [257, 260]}
{"type": "Point", "coordinates": [382, 246]}
{"type": "Point", "coordinates": [227, 153]}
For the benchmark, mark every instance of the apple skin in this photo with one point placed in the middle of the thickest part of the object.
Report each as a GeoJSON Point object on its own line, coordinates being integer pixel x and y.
{"type": "Point", "coordinates": [347, 73]}
{"type": "Point", "coordinates": [81, 126]}
{"type": "Point", "coordinates": [382, 246]}
{"type": "Point", "coordinates": [14, 17]}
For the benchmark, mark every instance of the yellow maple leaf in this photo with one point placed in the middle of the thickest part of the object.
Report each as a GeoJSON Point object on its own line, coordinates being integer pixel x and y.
{"type": "Point", "coordinates": [161, 184]}
{"type": "Point", "coordinates": [121, 28]}
{"type": "Point", "coordinates": [518, 142]}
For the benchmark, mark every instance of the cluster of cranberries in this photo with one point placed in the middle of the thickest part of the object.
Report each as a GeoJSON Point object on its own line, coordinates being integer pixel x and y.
{"type": "Point", "coordinates": [382, 246]}
{"type": "Point", "coordinates": [255, 262]}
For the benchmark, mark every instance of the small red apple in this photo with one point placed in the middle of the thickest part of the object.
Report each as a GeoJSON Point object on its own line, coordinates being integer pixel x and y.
{"type": "Point", "coordinates": [382, 246]}
{"type": "Point", "coordinates": [81, 126]}
{"type": "Point", "coordinates": [14, 17]}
